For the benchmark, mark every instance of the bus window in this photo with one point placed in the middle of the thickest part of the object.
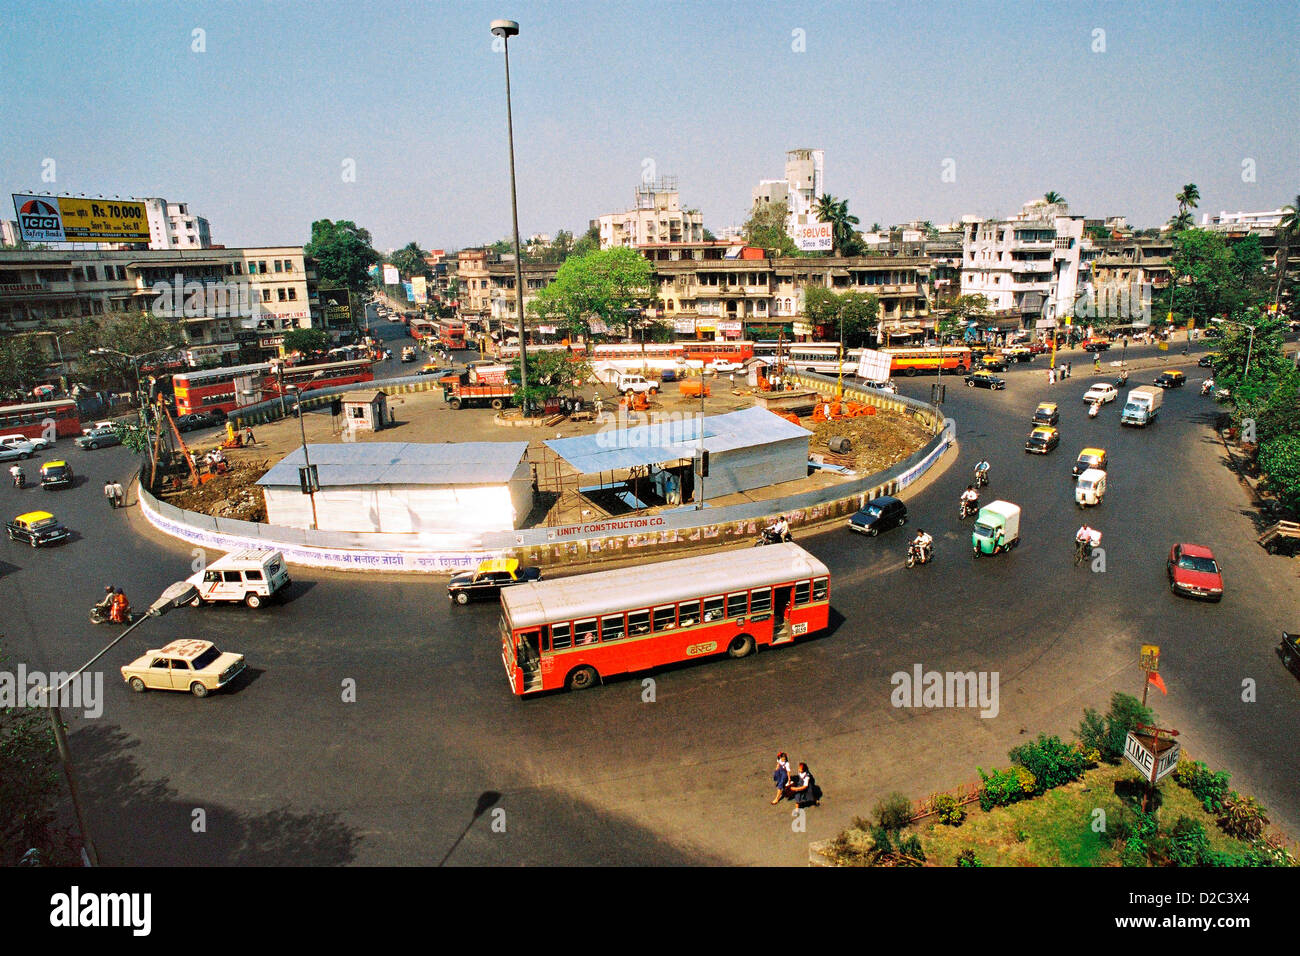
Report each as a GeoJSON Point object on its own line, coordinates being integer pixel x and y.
{"type": "Point", "coordinates": [802, 590]}
{"type": "Point", "coordinates": [638, 622]}
{"type": "Point", "coordinates": [737, 604]}
{"type": "Point", "coordinates": [584, 632]}
{"type": "Point", "coordinates": [665, 617]}
{"type": "Point", "coordinates": [821, 587]}
{"type": "Point", "coordinates": [760, 601]}
{"type": "Point", "coordinates": [713, 608]}
{"type": "Point", "coordinates": [690, 613]}
{"type": "Point", "coordinates": [561, 636]}
{"type": "Point", "coordinates": [611, 627]}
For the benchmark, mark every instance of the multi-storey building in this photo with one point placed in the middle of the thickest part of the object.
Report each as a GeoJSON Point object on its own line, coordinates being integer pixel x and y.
{"type": "Point", "coordinates": [803, 184]}
{"type": "Point", "coordinates": [475, 284]}
{"type": "Point", "coordinates": [233, 304]}
{"type": "Point", "coordinates": [172, 226]}
{"type": "Point", "coordinates": [1243, 221]}
{"type": "Point", "coordinates": [1027, 266]}
{"type": "Point", "coordinates": [656, 216]}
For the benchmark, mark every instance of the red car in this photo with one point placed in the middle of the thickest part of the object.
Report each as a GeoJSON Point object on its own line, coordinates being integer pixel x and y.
{"type": "Point", "coordinates": [1194, 572]}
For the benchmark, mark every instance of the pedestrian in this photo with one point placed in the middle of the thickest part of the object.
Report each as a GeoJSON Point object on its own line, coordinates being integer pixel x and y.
{"type": "Point", "coordinates": [781, 777]}
{"type": "Point", "coordinates": [108, 494]}
{"type": "Point", "coordinates": [1069, 369]}
{"type": "Point", "coordinates": [248, 435]}
{"type": "Point", "coordinates": [804, 788]}
{"type": "Point", "coordinates": [119, 496]}
{"type": "Point", "coordinates": [1051, 375]}
{"type": "Point", "coordinates": [1096, 364]}
{"type": "Point", "coordinates": [599, 404]}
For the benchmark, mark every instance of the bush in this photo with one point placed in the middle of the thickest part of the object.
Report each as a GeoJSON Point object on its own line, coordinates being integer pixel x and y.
{"type": "Point", "coordinates": [1138, 834]}
{"type": "Point", "coordinates": [1188, 844]}
{"type": "Point", "coordinates": [968, 858]}
{"type": "Point", "coordinates": [1242, 817]}
{"type": "Point", "coordinates": [1210, 788]}
{"type": "Point", "coordinates": [1106, 734]}
{"type": "Point", "coordinates": [949, 811]}
{"type": "Point", "coordinates": [1052, 762]}
{"type": "Point", "coordinates": [1003, 787]}
{"type": "Point", "coordinates": [894, 812]}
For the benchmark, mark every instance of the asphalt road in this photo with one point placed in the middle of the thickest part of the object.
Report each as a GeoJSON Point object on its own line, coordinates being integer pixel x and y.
{"type": "Point", "coordinates": [288, 769]}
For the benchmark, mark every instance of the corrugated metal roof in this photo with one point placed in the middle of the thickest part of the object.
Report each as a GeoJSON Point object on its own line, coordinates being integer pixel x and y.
{"type": "Point", "coordinates": [668, 441]}
{"type": "Point", "coordinates": [665, 582]}
{"type": "Point", "coordinates": [403, 463]}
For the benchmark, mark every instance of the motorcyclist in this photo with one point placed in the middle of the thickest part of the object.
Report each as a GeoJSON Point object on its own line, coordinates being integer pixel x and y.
{"type": "Point", "coordinates": [18, 475]}
{"type": "Point", "coordinates": [777, 531]}
{"type": "Point", "coordinates": [121, 607]}
{"type": "Point", "coordinates": [922, 543]}
{"type": "Point", "coordinates": [982, 471]}
{"type": "Point", "coordinates": [969, 499]}
{"type": "Point", "coordinates": [106, 604]}
{"type": "Point", "coordinates": [1094, 408]}
{"type": "Point", "coordinates": [1085, 539]}
{"type": "Point", "coordinates": [1207, 386]}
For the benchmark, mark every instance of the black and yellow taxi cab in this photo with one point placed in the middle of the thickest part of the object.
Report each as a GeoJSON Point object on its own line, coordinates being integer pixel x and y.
{"type": "Point", "coordinates": [1171, 378]}
{"type": "Point", "coordinates": [56, 474]}
{"type": "Point", "coordinates": [1046, 414]}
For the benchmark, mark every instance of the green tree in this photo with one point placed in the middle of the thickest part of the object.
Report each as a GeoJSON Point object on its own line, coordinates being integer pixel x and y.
{"type": "Point", "coordinates": [1279, 463]}
{"type": "Point", "coordinates": [836, 212]}
{"type": "Point", "coordinates": [587, 244]}
{"type": "Point", "coordinates": [342, 252]}
{"type": "Point", "coordinates": [709, 236]}
{"type": "Point", "coordinates": [132, 333]}
{"type": "Point", "coordinates": [765, 228]}
{"type": "Point", "coordinates": [550, 375]}
{"type": "Point", "coordinates": [410, 261]}
{"type": "Point", "coordinates": [21, 364]}
{"type": "Point", "coordinates": [1052, 197]}
{"type": "Point", "coordinates": [854, 315]}
{"type": "Point", "coordinates": [306, 340]}
{"type": "Point", "coordinates": [602, 284]}
{"type": "Point", "coordinates": [1288, 229]}
{"type": "Point", "coordinates": [1205, 280]}
{"type": "Point", "coordinates": [965, 309]}
{"type": "Point", "coordinates": [1106, 734]}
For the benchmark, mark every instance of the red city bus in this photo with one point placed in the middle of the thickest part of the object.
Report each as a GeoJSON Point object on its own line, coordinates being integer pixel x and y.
{"type": "Point", "coordinates": [706, 350]}
{"type": "Point", "coordinates": [572, 632]}
{"type": "Point", "coordinates": [226, 390]}
{"type": "Point", "coordinates": [907, 361]}
{"type": "Point", "coordinates": [451, 333]}
{"type": "Point", "coordinates": [29, 420]}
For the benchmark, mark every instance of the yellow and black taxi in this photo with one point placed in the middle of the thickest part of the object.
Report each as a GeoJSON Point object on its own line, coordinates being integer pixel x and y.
{"type": "Point", "coordinates": [57, 474]}
{"type": "Point", "coordinates": [487, 580]}
{"type": "Point", "coordinates": [1171, 378]}
{"type": "Point", "coordinates": [1207, 360]}
{"type": "Point", "coordinates": [981, 378]}
{"type": "Point", "coordinates": [1042, 440]}
{"type": "Point", "coordinates": [37, 528]}
{"type": "Point", "coordinates": [1046, 414]}
{"type": "Point", "coordinates": [186, 665]}
{"type": "Point", "coordinates": [1090, 458]}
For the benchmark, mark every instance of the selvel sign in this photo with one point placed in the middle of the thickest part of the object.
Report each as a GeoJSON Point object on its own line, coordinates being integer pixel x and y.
{"type": "Point", "coordinates": [1148, 752]}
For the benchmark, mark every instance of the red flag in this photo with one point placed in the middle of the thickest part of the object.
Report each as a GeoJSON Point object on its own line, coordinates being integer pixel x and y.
{"type": "Point", "coordinates": [1154, 678]}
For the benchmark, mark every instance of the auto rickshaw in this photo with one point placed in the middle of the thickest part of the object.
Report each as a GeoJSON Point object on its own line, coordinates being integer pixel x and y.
{"type": "Point", "coordinates": [1046, 414]}
{"type": "Point", "coordinates": [1090, 458]}
{"type": "Point", "coordinates": [1090, 487]}
{"type": "Point", "coordinates": [997, 528]}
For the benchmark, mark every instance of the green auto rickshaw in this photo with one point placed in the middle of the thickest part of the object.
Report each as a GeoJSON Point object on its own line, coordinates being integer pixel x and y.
{"type": "Point", "coordinates": [997, 528]}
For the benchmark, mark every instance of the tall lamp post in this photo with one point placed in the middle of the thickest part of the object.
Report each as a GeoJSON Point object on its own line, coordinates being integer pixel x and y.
{"type": "Point", "coordinates": [505, 29]}
{"type": "Point", "coordinates": [302, 430]}
{"type": "Point", "coordinates": [1250, 344]}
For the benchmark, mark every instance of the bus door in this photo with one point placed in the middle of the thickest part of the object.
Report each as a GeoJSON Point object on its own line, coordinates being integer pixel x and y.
{"type": "Point", "coordinates": [782, 598]}
{"type": "Point", "coordinates": [529, 659]}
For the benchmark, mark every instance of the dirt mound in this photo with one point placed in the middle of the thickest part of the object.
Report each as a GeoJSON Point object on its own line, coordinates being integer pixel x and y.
{"type": "Point", "coordinates": [878, 440]}
{"type": "Point", "coordinates": [232, 495]}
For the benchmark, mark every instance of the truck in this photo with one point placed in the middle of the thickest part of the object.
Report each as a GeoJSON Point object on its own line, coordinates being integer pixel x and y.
{"type": "Point", "coordinates": [486, 373]}
{"type": "Point", "coordinates": [459, 391]}
{"type": "Point", "coordinates": [635, 385]}
{"type": "Point", "coordinates": [1142, 406]}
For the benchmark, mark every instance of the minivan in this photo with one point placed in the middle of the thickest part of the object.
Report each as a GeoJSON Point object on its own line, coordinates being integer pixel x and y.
{"type": "Point", "coordinates": [250, 576]}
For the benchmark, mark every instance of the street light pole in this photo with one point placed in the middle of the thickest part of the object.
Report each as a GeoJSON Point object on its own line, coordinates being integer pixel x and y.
{"type": "Point", "coordinates": [302, 430]}
{"type": "Point", "coordinates": [505, 29]}
{"type": "Point", "coordinates": [1250, 343]}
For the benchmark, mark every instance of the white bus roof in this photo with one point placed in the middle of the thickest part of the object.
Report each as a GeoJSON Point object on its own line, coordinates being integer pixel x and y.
{"type": "Point", "coordinates": [649, 585]}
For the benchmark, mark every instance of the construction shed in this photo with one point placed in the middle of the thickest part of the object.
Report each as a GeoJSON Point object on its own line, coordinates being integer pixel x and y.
{"type": "Point", "coordinates": [626, 469]}
{"type": "Point", "coordinates": [404, 487]}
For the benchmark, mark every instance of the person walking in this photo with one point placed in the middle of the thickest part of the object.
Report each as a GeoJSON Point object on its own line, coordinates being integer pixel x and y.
{"type": "Point", "coordinates": [1069, 369]}
{"type": "Point", "coordinates": [109, 494]}
{"type": "Point", "coordinates": [1051, 375]}
{"type": "Point", "coordinates": [781, 777]}
{"type": "Point", "coordinates": [248, 435]}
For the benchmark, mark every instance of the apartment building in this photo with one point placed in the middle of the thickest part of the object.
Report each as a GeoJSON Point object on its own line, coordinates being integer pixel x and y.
{"type": "Point", "coordinates": [173, 226]}
{"type": "Point", "coordinates": [656, 216]}
{"type": "Point", "coordinates": [475, 283]}
{"type": "Point", "coordinates": [1026, 266]}
{"type": "Point", "coordinates": [1243, 221]}
{"type": "Point", "coordinates": [503, 302]}
{"type": "Point", "coordinates": [804, 181]}
{"type": "Point", "coordinates": [233, 304]}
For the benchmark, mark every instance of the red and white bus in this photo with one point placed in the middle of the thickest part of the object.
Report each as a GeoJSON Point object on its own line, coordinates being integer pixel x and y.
{"type": "Point", "coordinates": [572, 632]}
{"type": "Point", "coordinates": [451, 333]}
{"type": "Point", "coordinates": [907, 361]}
{"type": "Point", "coordinates": [226, 390]}
{"type": "Point", "coordinates": [29, 420]}
{"type": "Point", "coordinates": [706, 350]}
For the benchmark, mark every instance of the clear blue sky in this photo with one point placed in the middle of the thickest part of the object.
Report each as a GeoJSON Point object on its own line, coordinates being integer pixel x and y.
{"type": "Point", "coordinates": [254, 132]}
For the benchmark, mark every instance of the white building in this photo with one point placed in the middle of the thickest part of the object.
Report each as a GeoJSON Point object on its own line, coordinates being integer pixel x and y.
{"type": "Point", "coordinates": [1237, 221]}
{"type": "Point", "coordinates": [1027, 266]}
{"type": "Point", "coordinates": [656, 216]}
{"type": "Point", "coordinates": [803, 183]}
{"type": "Point", "coordinates": [172, 226]}
{"type": "Point", "coordinates": [9, 232]}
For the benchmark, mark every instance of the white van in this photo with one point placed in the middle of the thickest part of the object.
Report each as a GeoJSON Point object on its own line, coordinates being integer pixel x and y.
{"type": "Point", "coordinates": [250, 576]}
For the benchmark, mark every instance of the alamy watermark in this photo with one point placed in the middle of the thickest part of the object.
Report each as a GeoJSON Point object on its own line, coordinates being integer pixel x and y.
{"type": "Point", "coordinates": [1131, 301]}
{"type": "Point", "coordinates": [27, 688]}
{"type": "Point", "coordinates": [194, 299]}
{"type": "Point", "coordinates": [922, 688]}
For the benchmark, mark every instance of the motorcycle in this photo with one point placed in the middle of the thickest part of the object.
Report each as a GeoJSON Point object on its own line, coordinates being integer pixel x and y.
{"type": "Point", "coordinates": [969, 508]}
{"type": "Point", "coordinates": [1207, 386]}
{"type": "Point", "coordinates": [769, 536]}
{"type": "Point", "coordinates": [101, 615]}
{"type": "Point", "coordinates": [20, 479]}
{"type": "Point", "coordinates": [919, 554]}
{"type": "Point", "coordinates": [1093, 409]}
{"type": "Point", "coordinates": [981, 478]}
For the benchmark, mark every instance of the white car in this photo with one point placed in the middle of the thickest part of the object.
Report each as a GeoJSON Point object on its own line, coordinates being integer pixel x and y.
{"type": "Point", "coordinates": [22, 441]}
{"type": "Point", "coordinates": [724, 365]}
{"type": "Point", "coordinates": [1101, 393]}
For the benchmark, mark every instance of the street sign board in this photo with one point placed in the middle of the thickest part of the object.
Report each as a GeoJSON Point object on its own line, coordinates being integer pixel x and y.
{"type": "Point", "coordinates": [1146, 752]}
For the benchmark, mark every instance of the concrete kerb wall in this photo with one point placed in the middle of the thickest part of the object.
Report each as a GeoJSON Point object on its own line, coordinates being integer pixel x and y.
{"type": "Point", "coordinates": [649, 536]}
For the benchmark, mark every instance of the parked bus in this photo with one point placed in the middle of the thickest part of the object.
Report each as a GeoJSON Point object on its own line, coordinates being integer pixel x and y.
{"type": "Point", "coordinates": [225, 390]}
{"type": "Point", "coordinates": [451, 333]}
{"type": "Point", "coordinates": [572, 632]}
{"type": "Point", "coordinates": [907, 361]}
{"type": "Point", "coordinates": [821, 357]}
{"type": "Point", "coordinates": [707, 350]}
{"type": "Point", "coordinates": [29, 420]}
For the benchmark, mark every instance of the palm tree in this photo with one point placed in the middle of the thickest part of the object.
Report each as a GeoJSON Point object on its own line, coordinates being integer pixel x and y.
{"type": "Point", "coordinates": [1053, 197]}
{"type": "Point", "coordinates": [1181, 221]}
{"type": "Point", "coordinates": [1188, 198]}
{"type": "Point", "coordinates": [836, 212]}
{"type": "Point", "coordinates": [1287, 228]}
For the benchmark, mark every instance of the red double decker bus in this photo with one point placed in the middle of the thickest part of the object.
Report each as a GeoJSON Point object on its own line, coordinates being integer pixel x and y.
{"type": "Point", "coordinates": [31, 420]}
{"type": "Point", "coordinates": [226, 390]}
{"type": "Point", "coordinates": [451, 333]}
{"type": "Point", "coordinates": [572, 632]}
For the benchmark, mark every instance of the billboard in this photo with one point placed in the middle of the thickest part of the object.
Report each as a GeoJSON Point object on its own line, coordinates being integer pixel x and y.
{"type": "Point", "coordinates": [64, 219]}
{"type": "Point", "coordinates": [390, 275]}
{"type": "Point", "coordinates": [337, 307]}
{"type": "Point", "coordinates": [410, 291]}
{"type": "Point", "coordinates": [421, 287]}
{"type": "Point", "coordinates": [874, 365]}
{"type": "Point", "coordinates": [814, 237]}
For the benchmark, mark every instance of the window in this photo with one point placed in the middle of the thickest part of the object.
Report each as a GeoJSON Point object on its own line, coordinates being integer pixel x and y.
{"type": "Point", "coordinates": [690, 613]}
{"type": "Point", "coordinates": [638, 622]}
{"type": "Point", "coordinates": [665, 617]}
{"type": "Point", "coordinates": [713, 608]}
{"type": "Point", "coordinates": [211, 576]}
{"type": "Point", "coordinates": [266, 295]}
{"type": "Point", "coordinates": [231, 577]}
{"type": "Point", "coordinates": [611, 627]}
{"type": "Point", "coordinates": [821, 588]}
{"type": "Point", "coordinates": [760, 601]}
{"type": "Point", "coordinates": [252, 575]}
{"type": "Point", "coordinates": [238, 268]}
{"type": "Point", "coordinates": [279, 267]}
{"type": "Point", "coordinates": [293, 294]}
{"type": "Point", "coordinates": [737, 604]}
{"type": "Point", "coordinates": [561, 636]}
{"type": "Point", "coordinates": [802, 590]}
{"type": "Point", "coordinates": [261, 265]}
{"type": "Point", "coordinates": [584, 632]}
{"type": "Point", "coordinates": [288, 265]}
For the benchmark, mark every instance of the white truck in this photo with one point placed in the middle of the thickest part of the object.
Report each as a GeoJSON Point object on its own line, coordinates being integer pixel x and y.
{"type": "Point", "coordinates": [635, 384]}
{"type": "Point", "coordinates": [1142, 406]}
